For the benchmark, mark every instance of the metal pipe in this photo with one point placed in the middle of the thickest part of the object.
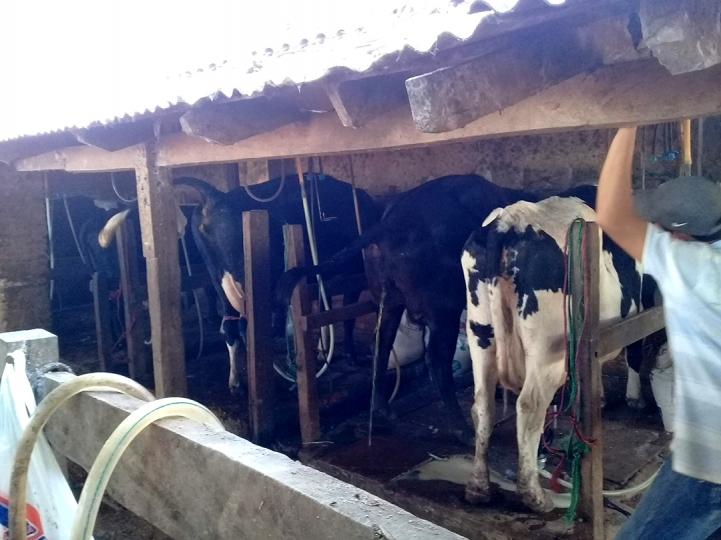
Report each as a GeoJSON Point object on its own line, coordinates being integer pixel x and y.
{"type": "Point", "coordinates": [314, 257]}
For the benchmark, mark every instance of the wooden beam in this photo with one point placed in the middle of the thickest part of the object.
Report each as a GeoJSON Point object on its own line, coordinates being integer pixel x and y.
{"type": "Point", "coordinates": [134, 314]}
{"type": "Point", "coordinates": [229, 123]}
{"type": "Point", "coordinates": [683, 34]}
{"type": "Point", "coordinates": [450, 98]}
{"type": "Point", "coordinates": [116, 136]}
{"type": "Point", "coordinates": [358, 101]}
{"type": "Point", "coordinates": [156, 206]}
{"type": "Point", "coordinates": [193, 481]}
{"type": "Point", "coordinates": [586, 278]}
{"type": "Point", "coordinates": [643, 92]}
{"type": "Point", "coordinates": [613, 41]}
{"type": "Point", "coordinates": [623, 333]}
{"type": "Point", "coordinates": [305, 351]}
{"type": "Point", "coordinates": [315, 321]}
{"type": "Point", "coordinates": [340, 285]}
{"type": "Point", "coordinates": [256, 249]}
{"type": "Point", "coordinates": [99, 289]}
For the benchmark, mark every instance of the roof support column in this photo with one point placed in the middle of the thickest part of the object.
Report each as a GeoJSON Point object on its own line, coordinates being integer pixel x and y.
{"type": "Point", "coordinates": [156, 206]}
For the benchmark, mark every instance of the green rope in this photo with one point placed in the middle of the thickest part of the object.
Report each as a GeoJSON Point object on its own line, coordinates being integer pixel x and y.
{"type": "Point", "coordinates": [575, 448]}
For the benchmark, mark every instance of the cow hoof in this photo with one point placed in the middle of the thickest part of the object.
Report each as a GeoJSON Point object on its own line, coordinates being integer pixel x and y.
{"type": "Point", "coordinates": [477, 495]}
{"type": "Point", "coordinates": [540, 505]}
{"type": "Point", "coordinates": [636, 404]}
{"type": "Point", "coordinates": [235, 390]}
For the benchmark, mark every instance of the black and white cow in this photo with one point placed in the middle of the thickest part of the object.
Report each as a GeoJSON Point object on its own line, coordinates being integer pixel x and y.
{"type": "Point", "coordinates": [218, 232]}
{"type": "Point", "coordinates": [514, 270]}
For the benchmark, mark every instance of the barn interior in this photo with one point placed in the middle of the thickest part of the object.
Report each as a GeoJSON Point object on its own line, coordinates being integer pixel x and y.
{"type": "Point", "coordinates": [410, 118]}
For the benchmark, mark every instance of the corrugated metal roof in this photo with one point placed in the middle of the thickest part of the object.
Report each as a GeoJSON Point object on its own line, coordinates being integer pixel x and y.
{"type": "Point", "coordinates": [101, 66]}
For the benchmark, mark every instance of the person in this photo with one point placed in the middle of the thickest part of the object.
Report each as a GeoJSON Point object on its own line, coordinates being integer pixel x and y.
{"type": "Point", "coordinates": [675, 232]}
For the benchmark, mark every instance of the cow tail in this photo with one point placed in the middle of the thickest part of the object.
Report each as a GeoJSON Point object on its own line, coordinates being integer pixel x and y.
{"type": "Point", "coordinates": [290, 279]}
{"type": "Point", "coordinates": [107, 233]}
{"type": "Point", "coordinates": [510, 372]}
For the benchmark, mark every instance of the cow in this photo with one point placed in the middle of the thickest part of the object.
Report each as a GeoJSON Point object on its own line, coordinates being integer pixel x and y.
{"type": "Point", "coordinates": [514, 271]}
{"type": "Point", "coordinates": [420, 239]}
{"type": "Point", "coordinates": [217, 229]}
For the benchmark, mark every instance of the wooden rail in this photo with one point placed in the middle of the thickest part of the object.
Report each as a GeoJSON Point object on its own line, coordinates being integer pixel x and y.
{"type": "Point", "coordinates": [596, 342]}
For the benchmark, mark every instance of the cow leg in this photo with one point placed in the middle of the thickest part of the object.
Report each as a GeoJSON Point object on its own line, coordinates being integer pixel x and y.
{"type": "Point", "coordinates": [485, 378]}
{"type": "Point", "coordinates": [543, 378]}
{"type": "Point", "coordinates": [232, 330]}
{"type": "Point", "coordinates": [634, 356]}
{"type": "Point", "coordinates": [390, 322]}
{"type": "Point", "coordinates": [349, 328]}
{"type": "Point", "coordinates": [442, 341]}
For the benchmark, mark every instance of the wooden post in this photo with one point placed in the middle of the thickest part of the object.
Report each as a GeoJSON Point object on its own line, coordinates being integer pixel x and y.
{"type": "Point", "coordinates": [125, 238]}
{"type": "Point", "coordinates": [305, 355]}
{"type": "Point", "coordinates": [590, 506]}
{"type": "Point", "coordinates": [256, 250]}
{"type": "Point", "coordinates": [99, 288]}
{"type": "Point", "coordinates": [156, 206]}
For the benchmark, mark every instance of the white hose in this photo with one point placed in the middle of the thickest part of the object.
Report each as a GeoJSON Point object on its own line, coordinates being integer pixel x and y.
{"type": "Point", "coordinates": [608, 492]}
{"type": "Point", "coordinates": [51, 247]}
{"type": "Point", "coordinates": [114, 447]}
{"type": "Point", "coordinates": [115, 189]}
{"type": "Point", "coordinates": [398, 376]}
{"type": "Point", "coordinates": [46, 408]}
{"type": "Point", "coordinates": [272, 197]}
{"type": "Point", "coordinates": [314, 256]}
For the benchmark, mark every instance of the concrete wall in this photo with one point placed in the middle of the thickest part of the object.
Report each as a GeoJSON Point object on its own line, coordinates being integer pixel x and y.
{"type": "Point", "coordinates": [540, 162]}
{"type": "Point", "coordinates": [24, 285]}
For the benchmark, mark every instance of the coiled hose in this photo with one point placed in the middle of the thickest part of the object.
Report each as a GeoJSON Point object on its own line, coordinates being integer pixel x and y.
{"type": "Point", "coordinates": [46, 408]}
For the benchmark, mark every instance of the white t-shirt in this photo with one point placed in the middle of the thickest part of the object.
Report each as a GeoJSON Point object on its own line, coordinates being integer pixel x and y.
{"type": "Point", "coordinates": [689, 276]}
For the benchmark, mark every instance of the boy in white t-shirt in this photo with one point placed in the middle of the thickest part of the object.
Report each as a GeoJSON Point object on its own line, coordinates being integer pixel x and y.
{"type": "Point", "coordinates": [675, 231]}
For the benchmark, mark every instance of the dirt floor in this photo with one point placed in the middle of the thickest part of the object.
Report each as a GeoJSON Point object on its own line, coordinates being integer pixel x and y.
{"type": "Point", "coordinates": [634, 442]}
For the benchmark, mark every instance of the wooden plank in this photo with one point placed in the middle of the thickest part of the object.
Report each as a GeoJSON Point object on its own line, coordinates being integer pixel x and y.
{"type": "Point", "coordinates": [315, 321]}
{"type": "Point", "coordinates": [306, 354]}
{"type": "Point", "coordinates": [642, 92]}
{"type": "Point", "coordinates": [134, 313]}
{"type": "Point", "coordinates": [340, 285]}
{"type": "Point", "coordinates": [229, 123]}
{"type": "Point", "coordinates": [156, 207]}
{"type": "Point", "coordinates": [256, 249]}
{"type": "Point", "coordinates": [450, 98]}
{"type": "Point", "coordinates": [116, 136]}
{"type": "Point", "coordinates": [99, 289]}
{"type": "Point", "coordinates": [193, 481]}
{"type": "Point", "coordinates": [357, 101]}
{"type": "Point", "coordinates": [586, 275]}
{"type": "Point", "coordinates": [621, 334]}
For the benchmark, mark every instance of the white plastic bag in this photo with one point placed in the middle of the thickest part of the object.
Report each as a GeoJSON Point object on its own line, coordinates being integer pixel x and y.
{"type": "Point", "coordinates": [462, 357]}
{"type": "Point", "coordinates": [51, 505]}
{"type": "Point", "coordinates": [409, 344]}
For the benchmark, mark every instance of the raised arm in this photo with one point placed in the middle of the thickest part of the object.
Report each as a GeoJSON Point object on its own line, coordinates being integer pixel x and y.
{"type": "Point", "coordinates": [614, 202]}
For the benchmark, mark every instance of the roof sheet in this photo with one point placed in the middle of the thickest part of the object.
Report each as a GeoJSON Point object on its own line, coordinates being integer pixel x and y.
{"type": "Point", "coordinates": [84, 64]}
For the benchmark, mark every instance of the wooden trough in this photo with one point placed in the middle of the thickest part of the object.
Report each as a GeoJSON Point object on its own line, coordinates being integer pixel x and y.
{"type": "Point", "coordinates": [197, 482]}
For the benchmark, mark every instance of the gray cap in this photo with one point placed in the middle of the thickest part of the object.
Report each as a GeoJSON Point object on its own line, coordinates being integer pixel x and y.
{"type": "Point", "coordinates": [688, 204]}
